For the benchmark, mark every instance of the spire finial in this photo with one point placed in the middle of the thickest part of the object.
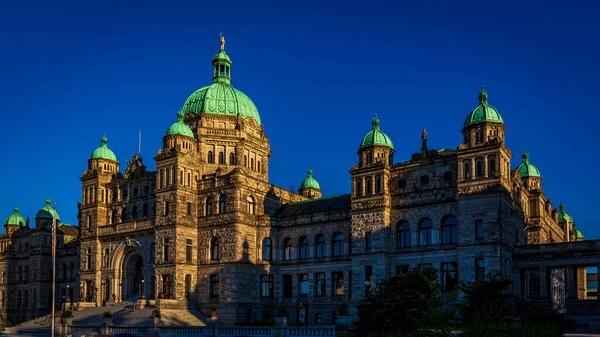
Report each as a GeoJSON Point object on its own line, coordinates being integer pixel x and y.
{"type": "Point", "coordinates": [48, 202]}
{"type": "Point", "coordinates": [104, 140]}
{"type": "Point", "coordinates": [309, 172]}
{"type": "Point", "coordinates": [16, 209]}
{"type": "Point", "coordinates": [483, 96]}
{"type": "Point", "coordinates": [525, 155]}
{"type": "Point", "coordinates": [375, 122]}
{"type": "Point", "coordinates": [561, 207]}
{"type": "Point", "coordinates": [222, 41]}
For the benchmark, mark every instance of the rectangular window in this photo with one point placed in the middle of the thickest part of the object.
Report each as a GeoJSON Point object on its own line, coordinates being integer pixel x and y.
{"type": "Point", "coordinates": [165, 208]}
{"type": "Point", "coordinates": [338, 283]}
{"type": "Point", "coordinates": [303, 284]}
{"type": "Point", "coordinates": [318, 318]}
{"type": "Point", "coordinates": [189, 208]}
{"type": "Point", "coordinates": [266, 285]}
{"type": "Point", "coordinates": [367, 240]}
{"type": "Point", "coordinates": [402, 269]}
{"type": "Point", "coordinates": [369, 278]}
{"type": "Point", "coordinates": [287, 286]}
{"type": "Point", "coordinates": [215, 285]}
{"type": "Point", "coordinates": [188, 251]}
{"type": "Point", "coordinates": [320, 284]}
{"type": "Point", "coordinates": [449, 276]}
{"type": "Point", "coordinates": [166, 250]}
{"type": "Point", "coordinates": [479, 270]}
{"type": "Point", "coordinates": [478, 229]}
{"type": "Point", "coordinates": [188, 285]}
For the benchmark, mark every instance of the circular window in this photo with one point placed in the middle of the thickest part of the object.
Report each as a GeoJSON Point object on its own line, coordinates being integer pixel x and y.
{"type": "Point", "coordinates": [424, 180]}
{"type": "Point", "coordinates": [448, 176]}
{"type": "Point", "coordinates": [401, 183]}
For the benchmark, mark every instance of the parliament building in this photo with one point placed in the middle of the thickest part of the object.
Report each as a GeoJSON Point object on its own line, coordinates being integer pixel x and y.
{"type": "Point", "coordinates": [208, 230]}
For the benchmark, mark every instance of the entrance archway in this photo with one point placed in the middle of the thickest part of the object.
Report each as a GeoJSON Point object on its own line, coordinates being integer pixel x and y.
{"type": "Point", "coordinates": [131, 280]}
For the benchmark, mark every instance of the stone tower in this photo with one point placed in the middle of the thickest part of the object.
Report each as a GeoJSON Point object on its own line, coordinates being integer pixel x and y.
{"type": "Point", "coordinates": [310, 188]}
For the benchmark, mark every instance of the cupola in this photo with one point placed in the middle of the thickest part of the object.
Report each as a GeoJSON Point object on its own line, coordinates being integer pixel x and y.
{"type": "Point", "coordinates": [526, 168]}
{"type": "Point", "coordinates": [578, 234]}
{"type": "Point", "coordinates": [483, 112]}
{"type": "Point", "coordinates": [220, 98]}
{"type": "Point", "coordinates": [47, 212]}
{"type": "Point", "coordinates": [484, 124]}
{"type": "Point", "coordinates": [103, 152]}
{"type": "Point", "coordinates": [376, 146]}
{"type": "Point", "coordinates": [562, 215]}
{"type": "Point", "coordinates": [180, 128]}
{"type": "Point", "coordinates": [376, 136]}
{"type": "Point", "coordinates": [310, 187]}
{"type": "Point", "coordinates": [15, 219]}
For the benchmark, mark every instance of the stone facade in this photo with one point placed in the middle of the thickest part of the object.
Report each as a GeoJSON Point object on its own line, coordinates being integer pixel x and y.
{"type": "Point", "coordinates": [208, 230]}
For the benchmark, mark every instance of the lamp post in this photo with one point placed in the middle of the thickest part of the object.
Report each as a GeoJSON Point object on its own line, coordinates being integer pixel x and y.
{"type": "Point", "coordinates": [367, 286]}
{"type": "Point", "coordinates": [142, 290]}
{"type": "Point", "coordinates": [69, 299]}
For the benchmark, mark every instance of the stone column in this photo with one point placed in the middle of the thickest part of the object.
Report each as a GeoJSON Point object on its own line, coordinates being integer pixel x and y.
{"type": "Point", "coordinates": [473, 171]}
{"type": "Point", "coordinates": [485, 167]}
{"type": "Point", "coordinates": [543, 282]}
{"type": "Point", "coordinates": [461, 172]}
{"type": "Point", "coordinates": [571, 283]}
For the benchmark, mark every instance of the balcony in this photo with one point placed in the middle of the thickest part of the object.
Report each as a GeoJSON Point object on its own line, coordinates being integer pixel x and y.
{"type": "Point", "coordinates": [126, 227]}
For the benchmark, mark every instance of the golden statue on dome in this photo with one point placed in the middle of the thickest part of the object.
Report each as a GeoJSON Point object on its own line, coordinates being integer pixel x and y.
{"type": "Point", "coordinates": [222, 42]}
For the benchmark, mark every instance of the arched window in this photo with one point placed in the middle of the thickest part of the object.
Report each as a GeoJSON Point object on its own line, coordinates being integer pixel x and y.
{"type": "Point", "coordinates": [26, 274]}
{"type": "Point", "coordinates": [89, 221]}
{"type": "Point", "coordinates": [258, 166]}
{"type": "Point", "coordinates": [250, 204]}
{"type": "Point", "coordinates": [208, 206]}
{"type": "Point", "coordinates": [320, 245]}
{"type": "Point", "coordinates": [479, 169]}
{"type": "Point", "coordinates": [378, 184]}
{"type": "Point", "coordinates": [211, 159]}
{"type": "Point", "coordinates": [222, 203]}
{"type": "Point", "coordinates": [303, 248]}
{"type": "Point", "coordinates": [124, 214]}
{"type": "Point", "coordinates": [403, 235]}
{"type": "Point", "coordinates": [134, 213]}
{"type": "Point", "coordinates": [287, 249]}
{"type": "Point", "coordinates": [369, 186]}
{"type": "Point", "coordinates": [221, 158]}
{"type": "Point", "coordinates": [467, 173]}
{"type": "Point", "coordinates": [425, 232]}
{"type": "Point", "coordinates": [215, 254]}
{"type": "Point", "coordinates": [450, 229]}
{"type": "Point", "coordinates": [252, 164]}
{"type": "Point", "coordinates": [114, 217]}
{"type": "Point", "coordinates": [146, 210]}
{"type": "Point", "coordinates": [338, 244]}
{"type": "Point", "coordinates": [232, 158]}
{"type": "Point", "coordinates": [449, 276]}
{"type": "Point", "coordinates": [491, 166]}
{"type": "Point", "coordinates": [266, 249]}
{"type": "Point", "coordinates": [359, 191]}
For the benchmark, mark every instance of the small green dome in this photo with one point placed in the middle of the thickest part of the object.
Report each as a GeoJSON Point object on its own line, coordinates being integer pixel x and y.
{"type": "Point", "coordinates": [376, 136]}
{"type": "Point", "coordinates": [15, 219]}
{"type": "Point", "coordinates": [103, 152]}
{"type": "Point", "coordinates": [483, 112]}
{"type": "Point", "coordinates": [527, 169]}
{"type": "Point", "coordinates": [578, 233]}
{"type": "Point", "coordinates": [46, 212]}
{"type": "Point", "coordinates": [310, 182]}
{"type": "Point", "coordinates": [562, 215]}
{"type": "Point", "coordinates": [220, 97]}
{"type": "Point", "coordinates": [180, 128]}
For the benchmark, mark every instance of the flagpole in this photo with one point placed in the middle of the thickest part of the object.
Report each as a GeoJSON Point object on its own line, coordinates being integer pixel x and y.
{"type": "Point", "coordinates": [54, 218]}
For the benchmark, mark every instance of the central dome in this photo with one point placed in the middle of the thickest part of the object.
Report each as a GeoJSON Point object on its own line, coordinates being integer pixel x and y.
{"type": "Point", "coordinates": [220, 98]}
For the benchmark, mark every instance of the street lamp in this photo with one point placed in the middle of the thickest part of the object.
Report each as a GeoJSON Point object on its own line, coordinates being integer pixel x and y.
{"type": "Point", "coordinates": [142, 290]}
{"type": "Point", "coordinates": [367, 285]}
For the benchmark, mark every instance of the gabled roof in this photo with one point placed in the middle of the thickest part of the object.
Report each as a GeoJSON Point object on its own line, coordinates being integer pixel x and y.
{"type": "Point", "coordinates": [337, 202]}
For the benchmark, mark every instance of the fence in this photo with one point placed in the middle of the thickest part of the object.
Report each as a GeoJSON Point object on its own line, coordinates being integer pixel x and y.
{"type": "Point", "coordinates": [208, 331]}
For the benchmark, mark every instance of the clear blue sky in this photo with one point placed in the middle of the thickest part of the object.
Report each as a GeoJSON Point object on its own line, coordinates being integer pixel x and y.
{"type": "Point", "coordinates": [317, 71]}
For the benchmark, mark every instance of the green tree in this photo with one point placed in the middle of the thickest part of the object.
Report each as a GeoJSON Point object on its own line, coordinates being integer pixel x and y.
{"type": "Point", "coordinates": [404, 304]}
{"type": "Point", "coordinates": [487, 301]}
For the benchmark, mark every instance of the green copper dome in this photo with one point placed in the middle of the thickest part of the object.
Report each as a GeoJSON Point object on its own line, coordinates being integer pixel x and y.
{"type": "Point", "coordinates": [376, 136]}
{"type": "Point", "coordinates": [15, 219]}
{"type": "Point", "coordinates": [310, 182]}
{"type": "Point", "coordinates": [46, 212]}
{"type": "Point", "coordinates": [562, 215]}
{"type": "Point", "coordinates": [483, 112]}
{"type": "Point", "coordinates": [220, 97]}
{"type": "Point", "coordinates": [103, 152]}
{"type": "Point", "coordinates": [578, 233]}
{"type": "Point", "coordinates": [180, 128]}
{"type": "Point", "coordinates": [527, 169]}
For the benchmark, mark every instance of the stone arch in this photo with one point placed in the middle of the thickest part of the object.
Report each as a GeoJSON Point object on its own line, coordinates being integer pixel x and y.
{"type": "Point", "coordinates": [129, 262]}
